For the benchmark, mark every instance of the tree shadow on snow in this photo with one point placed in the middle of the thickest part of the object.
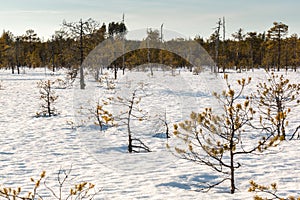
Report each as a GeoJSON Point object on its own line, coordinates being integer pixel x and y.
{"type": "Point", "coordinates": [197, 183]}
{"type": "Point", "coordinates": [117, 149]}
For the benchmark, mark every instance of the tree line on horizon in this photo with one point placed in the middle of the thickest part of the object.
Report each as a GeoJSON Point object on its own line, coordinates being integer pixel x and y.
{"type": "Point", "coordinates": [273, 48]}
{"type": "Point", "coordinates": [69, 46]}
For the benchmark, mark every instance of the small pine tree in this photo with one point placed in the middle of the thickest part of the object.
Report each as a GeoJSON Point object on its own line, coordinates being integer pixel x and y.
{"type": "Point", "coordinates": [48, 98]}
{"type": "Point", "coordinates": [271, 191]}
{"type": "Point", "coordinates": [107, 82]}
{"type": "Point", "coordinates": [215, 140]}
{"type": "Point", "coordinates": [103, 116]}
{"type": "Point", "coordinates": [276, 97]}
{"type": "Point", "coordinates": [132, 113]}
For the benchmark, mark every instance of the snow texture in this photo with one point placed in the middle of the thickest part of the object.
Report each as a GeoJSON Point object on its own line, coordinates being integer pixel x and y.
{"type": "Point", "coordinates": [29, 145]}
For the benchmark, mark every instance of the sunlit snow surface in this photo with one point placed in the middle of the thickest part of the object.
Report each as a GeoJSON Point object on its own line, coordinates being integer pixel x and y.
{"type": "Point", "coordinates": [29, 145]}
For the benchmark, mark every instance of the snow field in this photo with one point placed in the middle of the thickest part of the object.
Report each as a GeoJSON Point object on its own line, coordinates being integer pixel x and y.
{"type": "Point", "coordinates": [29, 145]}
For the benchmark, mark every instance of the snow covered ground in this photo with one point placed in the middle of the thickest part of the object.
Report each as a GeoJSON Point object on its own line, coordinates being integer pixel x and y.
{"type": "Point", "coordinates": [29, 145]}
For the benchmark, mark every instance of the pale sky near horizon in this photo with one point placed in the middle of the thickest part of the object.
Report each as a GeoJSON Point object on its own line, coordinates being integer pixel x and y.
{"type": "Point", "coordinates": [187, 17]}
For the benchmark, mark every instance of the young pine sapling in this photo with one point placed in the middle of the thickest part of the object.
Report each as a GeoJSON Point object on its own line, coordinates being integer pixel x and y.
{"type": "Point", "coordinates": [276, 98]}
{"type": "Point", "coordinates": [48, 98]}
{"type": "Point", "coordinates": [102, 115]}
{"type": "Point", "coordinates": [215, 140]}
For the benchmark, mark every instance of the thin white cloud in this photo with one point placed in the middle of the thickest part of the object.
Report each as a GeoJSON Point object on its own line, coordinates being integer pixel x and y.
{"type": "Point", "coordinates": [17, 12]}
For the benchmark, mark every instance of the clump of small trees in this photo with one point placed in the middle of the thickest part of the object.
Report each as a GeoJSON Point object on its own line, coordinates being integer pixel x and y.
{"type": "Point", "coordinates": [48, 99]}
{"type": "Point", "coordinates": [80, 191]}
{"type": "Point", "coordinates": [68, 80]}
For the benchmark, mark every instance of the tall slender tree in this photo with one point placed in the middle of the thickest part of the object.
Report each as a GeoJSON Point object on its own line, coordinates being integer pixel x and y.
{"type": "Point", "coordinates": [30, 40]}
{"type": "Point", "coordinates": [277, 33]}
{"type": "Point", "coordinates": [251, 39]}
{"type": "Point", "coordinates": [217, 34]}
{"type": "Point", "coordinates": [79, 31]}
{"type": "Point", "coordinates": [6, 50]}
{"type": "Point", "coordinates": [239, 37]}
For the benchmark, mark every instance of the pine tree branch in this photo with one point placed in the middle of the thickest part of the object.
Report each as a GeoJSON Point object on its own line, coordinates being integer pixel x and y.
{"type": "Point", "coordinates": [295, 133]}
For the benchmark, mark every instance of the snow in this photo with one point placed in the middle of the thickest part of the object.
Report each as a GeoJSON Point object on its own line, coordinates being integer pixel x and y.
{"type": "Point", "coordinates": [29, 145]}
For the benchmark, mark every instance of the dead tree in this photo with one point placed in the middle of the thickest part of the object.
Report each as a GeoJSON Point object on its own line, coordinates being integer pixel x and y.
{"type": "Point", "coordinates": [163, 123]}
{"type": "Point", "coordinates": [217, 40]}
{"type": "Point", "coordinates": [80, 30]}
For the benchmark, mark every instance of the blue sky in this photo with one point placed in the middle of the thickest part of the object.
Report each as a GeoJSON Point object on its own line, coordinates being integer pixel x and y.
{"type": "Point", "coordinates": [188, 17]}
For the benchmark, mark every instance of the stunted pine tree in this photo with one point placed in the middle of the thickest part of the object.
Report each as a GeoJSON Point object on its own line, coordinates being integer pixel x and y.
{"type": "Point", "coordinates": [132, 112]}
{"type": "Point", "coordinates": [276, 99]}
{"type": "Point", "coordinates": [102, 115]}
{"type": "Point", "coordinates": [107, 82]}
{"type": "Point", "coordinates": [48, 98]}
{"type": "Point", "coordinates": [215, 140]}
{"type": "Point", "coordinates": [68, 81]}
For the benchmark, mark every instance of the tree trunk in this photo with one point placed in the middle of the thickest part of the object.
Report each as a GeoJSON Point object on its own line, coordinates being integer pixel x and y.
{"type": "Point", "coordinates": [232, 173]}
{"type": "Point", "coordinates": [52, 54]}
{"type": "Point", "coordinates": [128, 125]}
{"type": "Point", "coordinates": [224, 47]}
{"type": "Point", "coordinates": [295, 54]}
{"type": "Point", "coordinates": [17, 56]}
{"type": "Point", "coordinates": [279, 52]}
{"type": "Point", "coordinates": [48, 98]}
{"type": "Point", "coordinates": [116, 72]}
{"type": "Point", "coordinates": [232, 185]}
{"type": "Point", "coordinates": [129, 143]}
{"type": "Point", "coordinates": [252, 57]}
{"type": "Point", "coordinates": [217, 45]}
{"type": "Point", "coordinates": [129, 133]}
{"type": "Point", "coordinates": [280, 132]}
{"type": "Point", "coordinates": [82, 84]}
{"type": "Point", "coordinates": [98, 117]}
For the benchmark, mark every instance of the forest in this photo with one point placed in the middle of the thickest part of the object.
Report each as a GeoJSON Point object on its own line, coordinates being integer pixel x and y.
{"type": "Point", "coordinates": [274, 48]}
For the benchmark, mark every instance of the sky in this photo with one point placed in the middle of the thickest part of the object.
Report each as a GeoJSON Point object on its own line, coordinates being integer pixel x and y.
{"type": "Point", "coordinates": [188, 17]}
